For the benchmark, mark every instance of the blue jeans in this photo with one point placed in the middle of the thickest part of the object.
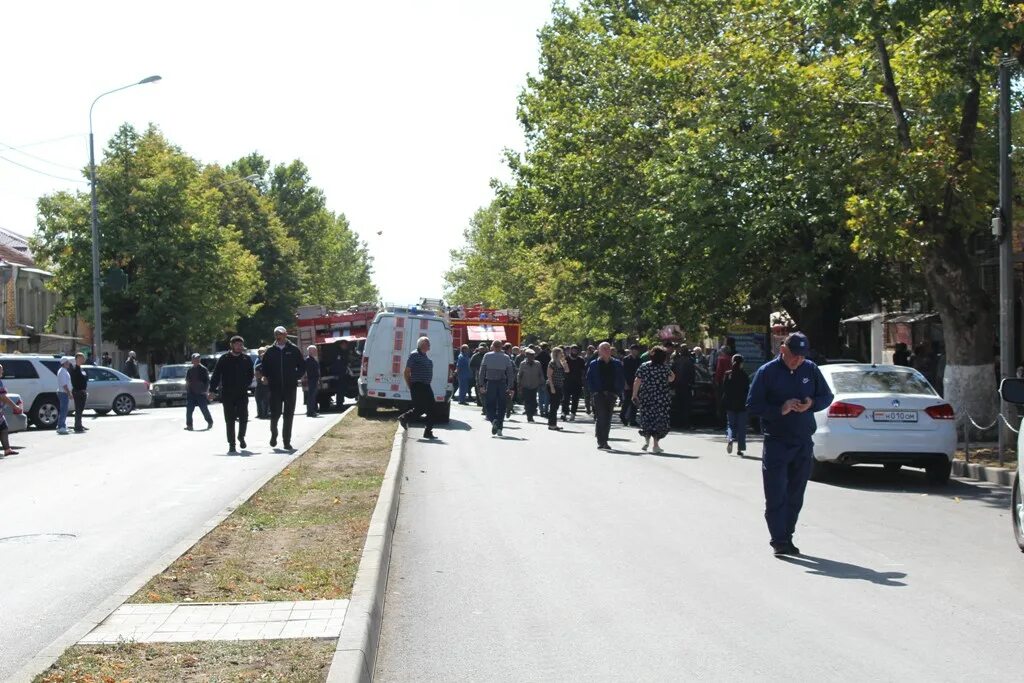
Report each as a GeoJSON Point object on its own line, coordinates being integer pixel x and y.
{"type": "Point", "coordinates": [193, 401]}
{"type": "Point", "coordinates": [497, 401]}
{"type": "Point", "coordinates": [543, 400]}
{"type": "Point", "coordinates": [464, 382]}
{"type": "Point", "coordinates": [736, 429]}
{"type": "Point", "coordinates": [62, 410]}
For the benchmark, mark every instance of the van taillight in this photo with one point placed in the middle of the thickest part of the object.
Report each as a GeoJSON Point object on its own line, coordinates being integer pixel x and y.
{"type": "Point", "coordinates": [364, 366]}
{"type": "Point", "coordinates": [943, 411]}
{"type": "Point", "coordinates": [840, 409]}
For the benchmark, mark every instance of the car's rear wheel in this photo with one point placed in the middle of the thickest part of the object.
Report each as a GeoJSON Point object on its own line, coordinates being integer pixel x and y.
{"type": "Point", "coordinates": [1017, 511]}
{"type": "Point", "coordinates": [124, 404]}
{"type": "Point", "coordinates": [44, 413]}
{"type": "Point", "coordinates": [938, 473]}
{"type": "Point", "coordinates": [366, 407]}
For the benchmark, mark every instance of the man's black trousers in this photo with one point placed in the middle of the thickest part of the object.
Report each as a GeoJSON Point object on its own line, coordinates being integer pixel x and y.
{"type": "Point", "coordinates": [282, 403]}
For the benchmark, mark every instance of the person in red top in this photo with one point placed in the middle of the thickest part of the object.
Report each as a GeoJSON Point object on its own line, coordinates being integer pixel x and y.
{"type": "Point", "coordinates": [724, 363]}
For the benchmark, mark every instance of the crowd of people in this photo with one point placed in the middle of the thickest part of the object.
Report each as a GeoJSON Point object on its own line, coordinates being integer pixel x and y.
{"type": "Point", "coordinates": [551, 382]}
{"type": "Point", "coordinates": [784, 394]}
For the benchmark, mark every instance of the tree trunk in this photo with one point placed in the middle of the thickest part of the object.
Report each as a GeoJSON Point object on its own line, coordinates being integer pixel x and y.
{"type": "Point", "coordinates": [968, 332]}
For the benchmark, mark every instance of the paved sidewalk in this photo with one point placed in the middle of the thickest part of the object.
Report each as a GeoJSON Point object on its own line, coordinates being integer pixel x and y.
{"type": "Point", "coordinates": [178, 623]}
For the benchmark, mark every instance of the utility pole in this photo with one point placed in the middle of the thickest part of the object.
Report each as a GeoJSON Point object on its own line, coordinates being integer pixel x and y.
{"type": "Point", "coordinates": [1006, 265]}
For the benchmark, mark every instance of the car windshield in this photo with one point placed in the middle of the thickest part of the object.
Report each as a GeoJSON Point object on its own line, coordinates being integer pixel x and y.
{"type": "Point", "coordinates": [880, 382]}
{"type": "Point", "coordinates": [173, 372]}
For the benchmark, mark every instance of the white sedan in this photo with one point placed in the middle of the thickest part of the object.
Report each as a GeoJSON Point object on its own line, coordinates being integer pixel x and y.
{"type": "Point", "coordinates": [884, 415]}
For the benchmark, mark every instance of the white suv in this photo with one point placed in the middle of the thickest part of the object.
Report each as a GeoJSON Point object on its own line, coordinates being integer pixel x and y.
{"type": "Point", "coordinates": [34, 377]}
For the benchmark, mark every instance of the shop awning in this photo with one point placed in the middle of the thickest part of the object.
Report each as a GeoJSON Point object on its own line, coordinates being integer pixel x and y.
{"type": "Point", "coordinates": [913, 318]}
{"type": "Point", "coordinates": [486, 332]}
{"type": "Point", "coordinates": [865, 318]}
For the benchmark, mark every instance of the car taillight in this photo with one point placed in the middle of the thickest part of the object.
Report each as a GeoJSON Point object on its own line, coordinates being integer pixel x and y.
{"type": "Point", "coordinates": [943, 411]}
{"type": "Point", "coordinates": [146, 383]}
{"type": "Point", "coordinates": [364, 367]}
{"type": "Point", "coordinates": [841, 409]}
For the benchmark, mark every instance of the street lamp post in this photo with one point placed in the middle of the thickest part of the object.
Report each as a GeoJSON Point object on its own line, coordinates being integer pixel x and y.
{"type": "Point", "coordinates": [97, 303]}
{"type": "Point", "coordinates": [1006, 270]}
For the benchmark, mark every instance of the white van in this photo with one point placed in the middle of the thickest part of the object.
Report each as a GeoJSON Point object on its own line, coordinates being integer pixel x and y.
{"type": "Point", "coordinates": [389, 342]}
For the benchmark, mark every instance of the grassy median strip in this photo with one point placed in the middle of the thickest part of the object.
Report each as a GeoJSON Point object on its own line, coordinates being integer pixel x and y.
{"type": "Point", "coordinates": [299, 537]}
{"type": "Point", "coordinates": [296, 661]}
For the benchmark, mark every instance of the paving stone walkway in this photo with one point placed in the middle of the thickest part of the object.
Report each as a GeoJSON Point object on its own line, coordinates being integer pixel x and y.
{"type": "Point", "coordinates": [178, 623]}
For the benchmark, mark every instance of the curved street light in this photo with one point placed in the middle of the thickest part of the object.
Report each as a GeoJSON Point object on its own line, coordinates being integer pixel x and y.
{"type": "Point", "coordinates": [97, 303]}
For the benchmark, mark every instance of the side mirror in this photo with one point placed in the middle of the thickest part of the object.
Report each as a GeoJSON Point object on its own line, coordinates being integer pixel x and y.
{"type": "Point", "coordinates": [1012, 391]}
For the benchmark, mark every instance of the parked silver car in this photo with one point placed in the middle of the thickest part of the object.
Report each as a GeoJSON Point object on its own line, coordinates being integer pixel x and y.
{"type": "Point", "coordinates": [113, 390]}
{"type": "Point", "coordinates": [170, 385]}
{"type": "Point", "coordinates": [15, 423]}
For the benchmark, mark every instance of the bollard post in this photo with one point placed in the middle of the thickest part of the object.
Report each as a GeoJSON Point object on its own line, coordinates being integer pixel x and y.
{"type": "Point", "coordinates": [967, 441]}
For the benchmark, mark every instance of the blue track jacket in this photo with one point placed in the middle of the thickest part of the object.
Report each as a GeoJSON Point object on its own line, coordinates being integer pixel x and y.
{"type": "Point", "coordinates": [773, 385]}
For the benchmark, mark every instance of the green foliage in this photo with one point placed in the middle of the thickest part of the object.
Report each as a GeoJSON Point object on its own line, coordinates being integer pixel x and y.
{"type": "Point", "coordinates": [338, 266]}
{"type": "Point", "coordinates": [205, 251]}
{"type": "Point", "coordinates": [705, 161]}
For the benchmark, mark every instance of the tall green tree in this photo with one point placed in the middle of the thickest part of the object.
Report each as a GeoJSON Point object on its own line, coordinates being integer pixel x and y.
{"type": "Point", "coordinates": [282, 272]}
{"type": "Point", "coordinates": [338, 266]}
{"type": "Point", "coordinates": [189, 278]}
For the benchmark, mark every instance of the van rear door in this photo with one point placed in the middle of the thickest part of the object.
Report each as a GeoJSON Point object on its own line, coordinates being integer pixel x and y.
{"type": "Point", "coordinates": [386, 351]}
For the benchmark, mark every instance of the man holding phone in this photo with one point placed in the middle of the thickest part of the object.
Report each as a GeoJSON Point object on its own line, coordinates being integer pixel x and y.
{"type": "Point", "coordinates": [785, 393]}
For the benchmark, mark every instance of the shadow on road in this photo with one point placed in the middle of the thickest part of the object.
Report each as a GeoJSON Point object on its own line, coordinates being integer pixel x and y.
{"type": "Point", "coordinates": [666, 454]}
{"type": "Point", "coordinates": [842, 570]}
{"type": "Point", "coordinates": [457, 425]}
{"type": "Point", "coordinates": [876, 479]}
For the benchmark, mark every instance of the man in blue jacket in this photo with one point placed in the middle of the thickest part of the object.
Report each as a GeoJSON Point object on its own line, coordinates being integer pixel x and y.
{"type": "Point", "coordinates": [465, 374]}
{"type": "Point", "coordinates": [606, 380]}
{"type": "Point", "coordinates": [785, 393]}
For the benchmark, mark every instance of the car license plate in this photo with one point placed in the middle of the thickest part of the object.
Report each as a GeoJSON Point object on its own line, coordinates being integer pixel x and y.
{"type": "Point", "coordinates": [895, 416]}
{"type": "Point", "coordinates": [175, 395]}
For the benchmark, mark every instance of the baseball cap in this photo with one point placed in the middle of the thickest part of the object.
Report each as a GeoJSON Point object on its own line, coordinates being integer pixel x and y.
{"type": "Point", "coordinates": [797, 343]}
{"type": "Point", "coordinates": [280, 329]}
{"type": "Point", "coordinates": [196, 355]}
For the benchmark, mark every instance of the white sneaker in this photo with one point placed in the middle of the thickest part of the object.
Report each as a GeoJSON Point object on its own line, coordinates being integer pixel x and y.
{"type": "Point", "coordinates": [657, 449]}
{"type": "Point", "coordinates": [728, 448]}
{"type": "Point", "coordinates": [62, 431]}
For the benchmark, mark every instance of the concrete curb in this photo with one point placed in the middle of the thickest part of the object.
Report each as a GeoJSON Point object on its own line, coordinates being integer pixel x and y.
{"type": "Point", "coordinates": [48, 655]}
{"type": "Point", "coordinates": [993, 475]}
{"type": "Point", "coordinates": [356, 657]}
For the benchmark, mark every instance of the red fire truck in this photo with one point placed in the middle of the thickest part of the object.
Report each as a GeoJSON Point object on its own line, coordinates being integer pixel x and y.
{"type": "Point", "coordinates": [474, 324]}
{"type": "Point", "coordinates": [320, 326]}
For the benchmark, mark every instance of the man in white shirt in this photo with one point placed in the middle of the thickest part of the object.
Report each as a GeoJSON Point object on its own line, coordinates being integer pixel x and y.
{"type": "Point", "coordinates": [63, 394]}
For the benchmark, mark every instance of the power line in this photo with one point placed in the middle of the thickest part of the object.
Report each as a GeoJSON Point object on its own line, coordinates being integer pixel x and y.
{"type": "Point", "coordinates": [36, 170]}
{"type": "Point", "coordinates": [46, 142]}
{"type": "Point", "coordinates": [38, 158]}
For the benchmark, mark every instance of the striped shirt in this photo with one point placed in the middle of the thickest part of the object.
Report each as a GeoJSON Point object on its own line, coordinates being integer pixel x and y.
{"type": "Point", "coordinates": [421, 368]}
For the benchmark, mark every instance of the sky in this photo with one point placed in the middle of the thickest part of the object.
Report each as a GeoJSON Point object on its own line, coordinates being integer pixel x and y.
{"type": "Point", "coordinates": [401, 110]}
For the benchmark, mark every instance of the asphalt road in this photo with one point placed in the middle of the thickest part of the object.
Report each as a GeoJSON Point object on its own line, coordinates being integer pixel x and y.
{"type": "Point", "coordinates": [539, 558]}
{"type": "Point", "coordinates": [107, 503]}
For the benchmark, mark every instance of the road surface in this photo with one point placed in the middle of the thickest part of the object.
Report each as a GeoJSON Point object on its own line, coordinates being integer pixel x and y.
{"type": "Point", "coordinates": [82, 514]}
{"type": "Point", "coordinates": [540, 558]}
